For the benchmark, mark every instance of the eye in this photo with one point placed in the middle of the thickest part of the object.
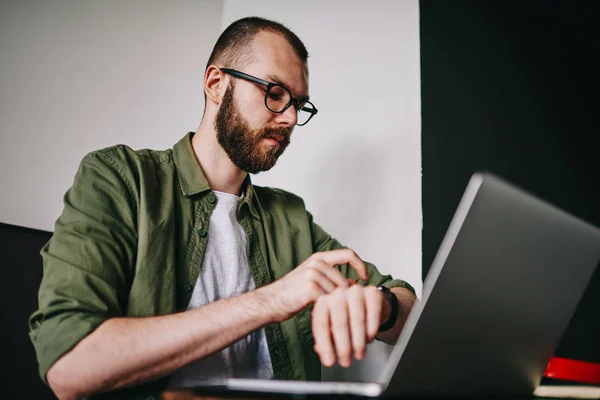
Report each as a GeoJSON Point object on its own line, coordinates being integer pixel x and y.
{"type": "Point", "coordinates": [277, 92]}
{"type": "Point", "coordinates": [274, 96]}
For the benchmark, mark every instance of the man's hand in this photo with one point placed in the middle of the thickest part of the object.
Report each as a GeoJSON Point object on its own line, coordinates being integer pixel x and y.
{"type": "Point", "coordinates": [312, 279]}
{"type": "Point", "coordinates": [345, 320]}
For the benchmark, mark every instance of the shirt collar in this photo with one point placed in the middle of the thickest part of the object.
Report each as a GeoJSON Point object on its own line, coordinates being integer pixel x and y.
{"type": "Point", "coordinates": [192, 179]}
{"type": "Point", "coordinates": [250, 197]}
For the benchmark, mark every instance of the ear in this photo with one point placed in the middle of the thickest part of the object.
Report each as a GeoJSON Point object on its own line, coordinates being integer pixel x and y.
{"type": "Point", "coordinates": [214, 84]}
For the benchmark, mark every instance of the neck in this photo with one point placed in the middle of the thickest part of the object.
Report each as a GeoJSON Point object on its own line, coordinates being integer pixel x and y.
{"type": "Point", "coordinates": [221, 173]}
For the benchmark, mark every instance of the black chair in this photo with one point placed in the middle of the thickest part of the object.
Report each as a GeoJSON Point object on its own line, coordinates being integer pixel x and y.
{"type": "Point", "coordinates": [21, 273]}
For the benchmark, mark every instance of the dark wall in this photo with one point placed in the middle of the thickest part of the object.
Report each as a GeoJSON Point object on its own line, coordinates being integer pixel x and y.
{"type": "Point", "coordinates": [21, 266]}
{"type": "Point", "coordinates": [512, 87]}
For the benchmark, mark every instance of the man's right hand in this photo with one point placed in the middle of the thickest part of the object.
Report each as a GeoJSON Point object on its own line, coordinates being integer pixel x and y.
{"type": "Point", "coordinates": [314, 277]}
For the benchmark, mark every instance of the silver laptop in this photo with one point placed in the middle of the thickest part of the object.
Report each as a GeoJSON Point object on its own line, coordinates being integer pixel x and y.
{"type": "Point", "coordinates": [498, 297]}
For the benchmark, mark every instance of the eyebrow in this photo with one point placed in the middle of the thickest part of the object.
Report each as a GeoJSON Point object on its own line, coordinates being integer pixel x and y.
{"type": "Point", "coordinates": [278, 81]}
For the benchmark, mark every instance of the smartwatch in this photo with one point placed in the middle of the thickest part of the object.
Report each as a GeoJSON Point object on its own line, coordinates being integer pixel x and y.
{"type": "Point", "coordinates": [387, 325]}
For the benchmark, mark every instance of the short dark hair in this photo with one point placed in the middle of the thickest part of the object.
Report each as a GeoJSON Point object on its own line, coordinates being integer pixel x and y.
{"type": "Point", "coordinates": [233, 48]}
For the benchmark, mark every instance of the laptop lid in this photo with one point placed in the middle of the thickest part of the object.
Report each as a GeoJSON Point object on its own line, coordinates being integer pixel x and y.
{"type": "Point", "coordinates": [500, 292]}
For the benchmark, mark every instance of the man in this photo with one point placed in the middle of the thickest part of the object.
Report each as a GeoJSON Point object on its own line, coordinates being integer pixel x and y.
{"type": "Point", "coordinates": [170, 267]}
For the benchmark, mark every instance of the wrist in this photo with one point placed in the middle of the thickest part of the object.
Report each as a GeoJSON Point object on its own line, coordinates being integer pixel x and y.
{"type": "Point", "coordinates": [270, 307]}
{"type": "Point", "coordinates": [386, 310]}
{"type": "Point", "coordinates": [390, 309]}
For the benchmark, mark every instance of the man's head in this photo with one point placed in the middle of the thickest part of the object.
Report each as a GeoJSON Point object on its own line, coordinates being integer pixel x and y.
{"type": "Point", "coordinates": [252, 135]}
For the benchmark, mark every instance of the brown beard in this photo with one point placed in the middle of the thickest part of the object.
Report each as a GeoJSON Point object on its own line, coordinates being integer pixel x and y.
{"type": "Point", "coordinates": [241, 143]}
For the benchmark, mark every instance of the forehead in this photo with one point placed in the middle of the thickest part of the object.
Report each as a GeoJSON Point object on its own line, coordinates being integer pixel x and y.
{"type": "Point", "coordinates": [275, 59]}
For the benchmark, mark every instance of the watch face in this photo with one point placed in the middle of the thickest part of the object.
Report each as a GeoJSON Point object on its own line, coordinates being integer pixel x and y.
{"type": "Point", "coordinates": [384, 289]}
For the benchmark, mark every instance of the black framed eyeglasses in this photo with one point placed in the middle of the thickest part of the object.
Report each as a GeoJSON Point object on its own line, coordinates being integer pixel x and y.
{"type": "Point", "coordinates": [278, 98]}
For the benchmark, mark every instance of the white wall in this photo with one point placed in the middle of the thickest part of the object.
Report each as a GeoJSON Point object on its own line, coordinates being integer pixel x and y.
{"type": "Point", "coordinates": [357, 164]}
{"type": "Point", "coordinates": [76, 76]}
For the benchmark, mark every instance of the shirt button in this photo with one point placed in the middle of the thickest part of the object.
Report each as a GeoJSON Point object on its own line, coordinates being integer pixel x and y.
{"type": "Point", "coordinates": [187, 287]}
{"type": "Point", "coordinates": [202, 232]}
{"type": "Point", "coordinates": [210, 198]}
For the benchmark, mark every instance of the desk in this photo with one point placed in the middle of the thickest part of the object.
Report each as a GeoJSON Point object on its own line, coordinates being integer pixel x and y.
{"type": "Point", "coordinates": [200, 395]}
{"type": "Point", "coordinates": [554, 392]}
{"type": "Point", "coordinates": [189, 395]}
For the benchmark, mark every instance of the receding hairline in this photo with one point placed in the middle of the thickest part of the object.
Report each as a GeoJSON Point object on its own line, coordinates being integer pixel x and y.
{"type": "Point", "coordinates": [234, 43]}
{"type": "Point", "coordinates": [242, 54]}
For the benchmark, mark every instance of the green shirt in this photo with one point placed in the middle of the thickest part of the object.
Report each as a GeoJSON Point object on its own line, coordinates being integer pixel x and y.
{"type": "Point", "coordinates": [130, 242]}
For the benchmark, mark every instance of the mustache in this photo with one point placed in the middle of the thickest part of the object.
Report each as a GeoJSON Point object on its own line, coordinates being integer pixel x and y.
{"type": "Point", "coordinates": [279, 134]}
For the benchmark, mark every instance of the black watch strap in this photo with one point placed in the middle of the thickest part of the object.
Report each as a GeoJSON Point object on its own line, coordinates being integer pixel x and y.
{"type": "Point", "coordinates": [387, 325]}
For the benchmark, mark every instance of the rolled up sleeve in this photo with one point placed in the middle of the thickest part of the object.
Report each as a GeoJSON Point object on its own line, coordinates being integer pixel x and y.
{"type": "Point", "coordinates": [87, 264]}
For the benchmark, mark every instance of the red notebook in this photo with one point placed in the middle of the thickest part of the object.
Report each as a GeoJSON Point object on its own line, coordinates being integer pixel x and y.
{"type": "Point", "coordinates": [573, 370]}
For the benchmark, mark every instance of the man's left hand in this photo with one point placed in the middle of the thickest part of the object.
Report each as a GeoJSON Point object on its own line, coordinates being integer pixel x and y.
{"type": "Point", "coordinates": [345, 320]}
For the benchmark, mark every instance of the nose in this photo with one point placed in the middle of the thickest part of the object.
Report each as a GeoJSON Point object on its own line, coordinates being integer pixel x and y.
{"type": "Point", "coordinates": [289, 117]}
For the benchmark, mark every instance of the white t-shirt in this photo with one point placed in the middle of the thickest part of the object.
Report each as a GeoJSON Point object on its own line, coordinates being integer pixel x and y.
{"type": "Point", "coordinates": [225, 273]}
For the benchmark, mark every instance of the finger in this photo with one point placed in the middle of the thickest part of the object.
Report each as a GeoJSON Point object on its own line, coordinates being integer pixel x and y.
{"type": "Point", "coordinates": [373, 307]}
{"type": "Point", "coordinates": [322, 333]}
{"type": "Point", "coordinates": [332, 274]}
{"type": "Point", "coordinates": [346, 256]}
{"type": "Point", "coordinates": [356, 312]}
{"type": "Point", "coordinates": [351, 282]}
{"type": "Point", "coordinates": [340, 328]}
{"type": "Point", "coordinates": [318, 276]}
